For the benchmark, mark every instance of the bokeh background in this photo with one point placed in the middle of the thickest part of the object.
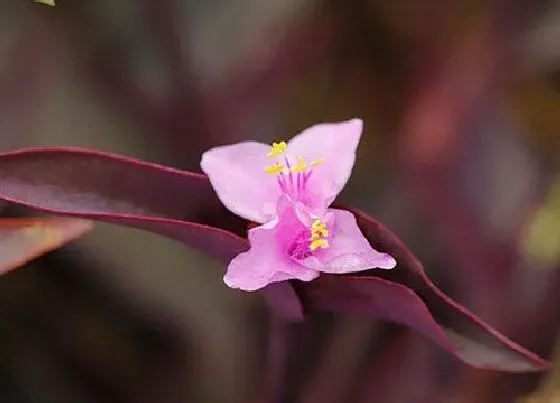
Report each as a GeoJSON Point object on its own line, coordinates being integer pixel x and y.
{"type": "Point", "coordinates": [460, 158]}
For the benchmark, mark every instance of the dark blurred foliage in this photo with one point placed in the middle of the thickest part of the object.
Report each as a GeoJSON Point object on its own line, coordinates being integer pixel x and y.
{"type": "Point", "coordinates": [460, 157]}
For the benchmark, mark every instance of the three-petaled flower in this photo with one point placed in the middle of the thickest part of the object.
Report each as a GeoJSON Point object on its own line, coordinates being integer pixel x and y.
{"type": "Point", "coordinates": [288, 188]}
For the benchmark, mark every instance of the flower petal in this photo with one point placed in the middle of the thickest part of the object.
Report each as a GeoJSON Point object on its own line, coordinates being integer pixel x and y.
{"type": "Point", "coordinates": [335, 144]}
{"type": "Point", "coordinates": [265, 262]}
{"type": "Point", "coordinates": [237, 174]}
{"type": "Point", "coordinates": [349, 251]}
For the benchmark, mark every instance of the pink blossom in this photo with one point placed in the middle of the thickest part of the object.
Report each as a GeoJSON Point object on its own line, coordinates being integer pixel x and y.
{"type": "Point", "coordinates": [288, 188]}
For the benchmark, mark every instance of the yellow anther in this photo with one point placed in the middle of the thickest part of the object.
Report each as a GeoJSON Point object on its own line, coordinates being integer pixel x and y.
{"type": "Point", "coordinates": [319, 243]}
{"type": "Point", "coordinates": [319, 227]}
{"type": "Point", "coordinates": [319, 235]}
{"type": "Point", "coordinates": [274, 169]}
{"type": "Point", "coordinates": [316, 235]}
{"type": "Point", "coordinates": [277, 149]}
{"type": "Point", "coordinates": [300, 166]}
{"type": "Point", "coordinates": [317, 162]}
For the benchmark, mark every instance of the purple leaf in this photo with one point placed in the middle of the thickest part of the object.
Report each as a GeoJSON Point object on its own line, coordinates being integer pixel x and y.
{"type": "Point", "coordinates": [407, 296]}
{"type": "Point", "coordinates": [282, 297]}
{"type": "Point", "coordinates": [125, 191]}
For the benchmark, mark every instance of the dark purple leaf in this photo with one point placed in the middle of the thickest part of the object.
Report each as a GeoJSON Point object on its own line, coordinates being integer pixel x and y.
{"type": "Point", "coordinates": [125, 191]}
{"type": "Point", "coordinates": [285, 301]}
{"type": "Point", "coordinates": [406, 295]}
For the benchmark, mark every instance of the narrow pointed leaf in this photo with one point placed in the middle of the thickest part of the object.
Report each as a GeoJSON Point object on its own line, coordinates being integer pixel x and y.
{"type": "Point", "coordinates": [106, 187]}
{"type": "Point", "coordinates": [22, 240]}
{"type": "Point", "coordinates": [406, 295]}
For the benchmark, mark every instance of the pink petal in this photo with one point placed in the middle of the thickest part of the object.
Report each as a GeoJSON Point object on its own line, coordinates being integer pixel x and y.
{"type": "Point", "coordinates": [336, 143]}
{"type": "Point", "coordinates": [237, 174]}
{"type": "Point", "coordinates": [267, 261]}
{"type": "Point", "coordinates": [349, 251]}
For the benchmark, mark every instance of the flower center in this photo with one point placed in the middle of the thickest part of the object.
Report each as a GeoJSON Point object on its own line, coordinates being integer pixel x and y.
{"type": "Point", "coordinates": [307, 241]}
{"type": "Point", "coordinates": [292, 174]}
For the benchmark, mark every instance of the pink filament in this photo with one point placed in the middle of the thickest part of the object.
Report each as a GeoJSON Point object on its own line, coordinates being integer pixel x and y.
{"type": "Point", "coordinates": [293, 185]}
{"type": "Point", "coordinates": [282, 183]}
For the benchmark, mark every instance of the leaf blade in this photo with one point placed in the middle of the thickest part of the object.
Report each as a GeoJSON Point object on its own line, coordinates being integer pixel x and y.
{"type": "Point", "coordinates": [22, 240]}
{"type": "Point", "coordinates": [106, 187]}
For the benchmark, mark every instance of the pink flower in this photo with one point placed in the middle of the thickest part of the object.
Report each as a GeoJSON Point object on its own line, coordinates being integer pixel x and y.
{"type": "Point", "coordinates": [288, 188]}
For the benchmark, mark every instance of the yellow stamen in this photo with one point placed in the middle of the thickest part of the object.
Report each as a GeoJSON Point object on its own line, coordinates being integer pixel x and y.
{"type": "Point", "coordinates": [317, 162]}
{"type": "Point", "coordinates": [319, 227]}
{"type": "Point", "coordinates": [274, 169]}
{"type": "Point", "coordinates": [319, 234]}
{"type": "Point", "coordinates": [277, 149]}
{"type": "Point", "coordinates": [300, 166]}
{"type": "Point", "coordinates": [315, 236]}
{"type": "Point", "coordinates": [319, 243]}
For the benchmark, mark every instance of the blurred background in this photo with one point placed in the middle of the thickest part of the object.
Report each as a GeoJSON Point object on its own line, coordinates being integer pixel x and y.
{"type": "Point", "coordinates": [460, 158]}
